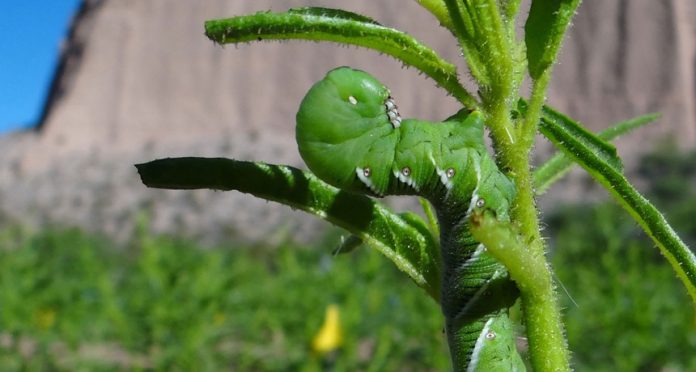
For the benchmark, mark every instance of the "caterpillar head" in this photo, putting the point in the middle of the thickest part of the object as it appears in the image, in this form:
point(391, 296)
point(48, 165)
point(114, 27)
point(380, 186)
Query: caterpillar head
point(346, 131)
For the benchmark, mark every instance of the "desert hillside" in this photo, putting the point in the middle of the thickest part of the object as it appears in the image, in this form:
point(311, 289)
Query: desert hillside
point(139, 80)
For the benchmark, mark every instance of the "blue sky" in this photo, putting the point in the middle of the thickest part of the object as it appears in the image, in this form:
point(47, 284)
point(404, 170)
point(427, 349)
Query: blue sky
point(30, 36)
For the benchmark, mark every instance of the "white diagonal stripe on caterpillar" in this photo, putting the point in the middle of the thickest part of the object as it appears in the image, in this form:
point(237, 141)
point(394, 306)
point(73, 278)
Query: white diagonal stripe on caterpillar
point(478, 347)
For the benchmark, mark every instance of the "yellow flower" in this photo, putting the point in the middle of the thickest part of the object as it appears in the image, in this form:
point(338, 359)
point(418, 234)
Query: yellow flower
point(329, 337)
point(219, 318)
point(45, 318)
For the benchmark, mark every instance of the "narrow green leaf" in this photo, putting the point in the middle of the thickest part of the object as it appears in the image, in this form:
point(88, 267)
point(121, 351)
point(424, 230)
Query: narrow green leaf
point(559, 164)
point(323, 24)
point(561, 131)
point(438, 9)
point(333, 13)
point(627, 126)
point(544, 30)
point(601, 148)
point(353, 241)
point(412, 251)
point(431, 216)
point(417, 223)
point(473, 36)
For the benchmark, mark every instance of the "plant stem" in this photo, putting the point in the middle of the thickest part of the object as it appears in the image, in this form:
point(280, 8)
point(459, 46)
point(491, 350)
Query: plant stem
point(548, 350)
point(525, 211)
point(528, 129)
point(529, 270)
point(499, 84)
point(547, 346)
point(502, 131)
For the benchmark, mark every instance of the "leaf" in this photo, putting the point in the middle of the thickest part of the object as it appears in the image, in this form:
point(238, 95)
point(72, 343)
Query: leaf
point(544, 30)
point(627, 126)
point(430, 214)
point(344, 27)
point(406, 246)
point(353, 241)
point(559, 164)
point(438, 9)
point(480, 34)
point(333, 13)
point(562, 131)
point(552, 121)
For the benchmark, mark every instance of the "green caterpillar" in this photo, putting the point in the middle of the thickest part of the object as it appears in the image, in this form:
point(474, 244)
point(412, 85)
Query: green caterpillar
point(350, 134)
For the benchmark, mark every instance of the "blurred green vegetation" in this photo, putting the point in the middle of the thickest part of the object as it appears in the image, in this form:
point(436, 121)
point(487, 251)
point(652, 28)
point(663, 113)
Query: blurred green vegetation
point(71, 300)
point(631, 313)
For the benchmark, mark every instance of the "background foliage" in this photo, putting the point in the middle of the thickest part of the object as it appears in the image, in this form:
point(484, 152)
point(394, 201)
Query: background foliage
point(631, 313)
point(73, 300)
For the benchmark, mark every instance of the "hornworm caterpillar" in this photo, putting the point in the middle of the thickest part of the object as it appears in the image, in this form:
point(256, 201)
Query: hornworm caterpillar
point(350, 135)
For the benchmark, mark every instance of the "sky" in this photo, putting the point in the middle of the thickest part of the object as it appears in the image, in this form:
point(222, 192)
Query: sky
point(31, 33)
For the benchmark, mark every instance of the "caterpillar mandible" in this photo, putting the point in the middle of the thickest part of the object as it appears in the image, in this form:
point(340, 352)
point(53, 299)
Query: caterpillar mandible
point(350, 134)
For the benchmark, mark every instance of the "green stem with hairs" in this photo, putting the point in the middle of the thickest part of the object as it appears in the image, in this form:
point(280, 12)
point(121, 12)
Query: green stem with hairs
point(530, 271)
point(518, 155)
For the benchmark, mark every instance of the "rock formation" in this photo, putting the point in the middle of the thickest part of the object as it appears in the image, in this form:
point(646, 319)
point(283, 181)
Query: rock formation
point(139, 81)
